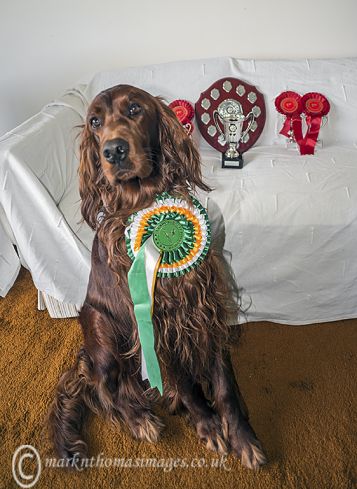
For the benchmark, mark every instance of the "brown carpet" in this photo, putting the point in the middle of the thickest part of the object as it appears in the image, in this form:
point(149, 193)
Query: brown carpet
point(299, 383)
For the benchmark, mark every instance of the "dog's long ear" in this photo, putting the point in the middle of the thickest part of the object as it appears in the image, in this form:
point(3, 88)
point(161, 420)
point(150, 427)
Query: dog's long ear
point(89, 177)
point(181, 161)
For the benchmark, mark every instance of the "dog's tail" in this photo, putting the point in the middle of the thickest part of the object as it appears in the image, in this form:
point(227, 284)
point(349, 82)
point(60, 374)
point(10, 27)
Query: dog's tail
point(69, 409)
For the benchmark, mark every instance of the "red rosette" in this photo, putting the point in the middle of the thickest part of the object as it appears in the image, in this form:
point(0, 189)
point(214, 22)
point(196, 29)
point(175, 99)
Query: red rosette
point(289, 104)
point(315, 104)
point(183, 109)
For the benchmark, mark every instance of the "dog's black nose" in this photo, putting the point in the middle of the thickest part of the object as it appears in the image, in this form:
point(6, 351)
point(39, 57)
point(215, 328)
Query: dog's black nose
point(116, 150)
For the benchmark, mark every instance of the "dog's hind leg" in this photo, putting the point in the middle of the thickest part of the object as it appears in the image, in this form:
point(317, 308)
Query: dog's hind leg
point(68, 410)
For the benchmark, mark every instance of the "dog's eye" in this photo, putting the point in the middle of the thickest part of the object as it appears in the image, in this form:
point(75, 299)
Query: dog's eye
point(95, 122)
point(134, 109)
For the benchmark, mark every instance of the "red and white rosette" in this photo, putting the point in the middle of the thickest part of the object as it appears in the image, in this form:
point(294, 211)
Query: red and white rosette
point(184, 112)
point(290, 105)
point(316, 106)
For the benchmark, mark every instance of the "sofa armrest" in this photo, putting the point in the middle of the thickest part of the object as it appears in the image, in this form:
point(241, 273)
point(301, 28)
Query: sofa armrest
point(47, 143)
point(38, 162)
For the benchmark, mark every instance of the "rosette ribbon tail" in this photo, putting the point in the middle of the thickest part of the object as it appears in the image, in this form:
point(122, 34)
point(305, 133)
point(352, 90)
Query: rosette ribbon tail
point(292, 124)
point(307, 146)
point(141, 281)
point(297, 128)
point(286, 127)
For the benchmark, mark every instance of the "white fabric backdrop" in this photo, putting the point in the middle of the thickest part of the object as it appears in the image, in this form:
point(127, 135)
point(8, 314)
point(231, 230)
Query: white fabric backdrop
point(289, 221)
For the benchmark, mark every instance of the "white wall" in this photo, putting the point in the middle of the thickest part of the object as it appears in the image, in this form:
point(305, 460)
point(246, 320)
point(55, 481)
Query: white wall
point(47, 45)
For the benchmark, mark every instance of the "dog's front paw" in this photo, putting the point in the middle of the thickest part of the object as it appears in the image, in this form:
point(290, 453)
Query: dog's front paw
point(246, 446)
point(74, 457)
point(210, 432)
point(147, 427)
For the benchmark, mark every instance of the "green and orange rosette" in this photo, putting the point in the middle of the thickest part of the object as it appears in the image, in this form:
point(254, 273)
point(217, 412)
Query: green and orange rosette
point(167, 240)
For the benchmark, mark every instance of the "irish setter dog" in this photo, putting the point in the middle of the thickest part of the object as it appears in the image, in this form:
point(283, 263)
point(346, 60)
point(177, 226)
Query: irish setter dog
point(133, 148)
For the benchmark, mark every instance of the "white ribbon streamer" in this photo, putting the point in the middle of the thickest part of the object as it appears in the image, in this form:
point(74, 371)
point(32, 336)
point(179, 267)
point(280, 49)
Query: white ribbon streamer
point(152, 260)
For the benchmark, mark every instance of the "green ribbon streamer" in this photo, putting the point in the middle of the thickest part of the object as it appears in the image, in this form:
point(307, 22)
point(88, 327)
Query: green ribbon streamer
point(142, 310)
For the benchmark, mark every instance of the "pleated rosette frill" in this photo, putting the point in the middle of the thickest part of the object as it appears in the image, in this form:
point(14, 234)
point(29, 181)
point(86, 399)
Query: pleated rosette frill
point(188, 220)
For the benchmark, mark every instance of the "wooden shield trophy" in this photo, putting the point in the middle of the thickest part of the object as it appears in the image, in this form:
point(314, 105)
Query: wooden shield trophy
point(231, 115)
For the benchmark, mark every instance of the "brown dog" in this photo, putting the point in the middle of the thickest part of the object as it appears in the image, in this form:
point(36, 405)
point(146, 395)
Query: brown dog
point(132, 149)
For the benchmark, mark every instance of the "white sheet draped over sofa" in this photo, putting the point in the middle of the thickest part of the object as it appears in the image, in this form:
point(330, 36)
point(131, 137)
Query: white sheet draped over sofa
point(289, 221)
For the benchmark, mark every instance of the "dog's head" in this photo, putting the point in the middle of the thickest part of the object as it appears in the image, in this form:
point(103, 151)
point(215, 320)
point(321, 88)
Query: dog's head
point(133, 140)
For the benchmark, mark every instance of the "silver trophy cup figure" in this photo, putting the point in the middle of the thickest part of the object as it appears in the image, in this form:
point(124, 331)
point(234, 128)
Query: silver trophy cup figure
point(230, 114)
